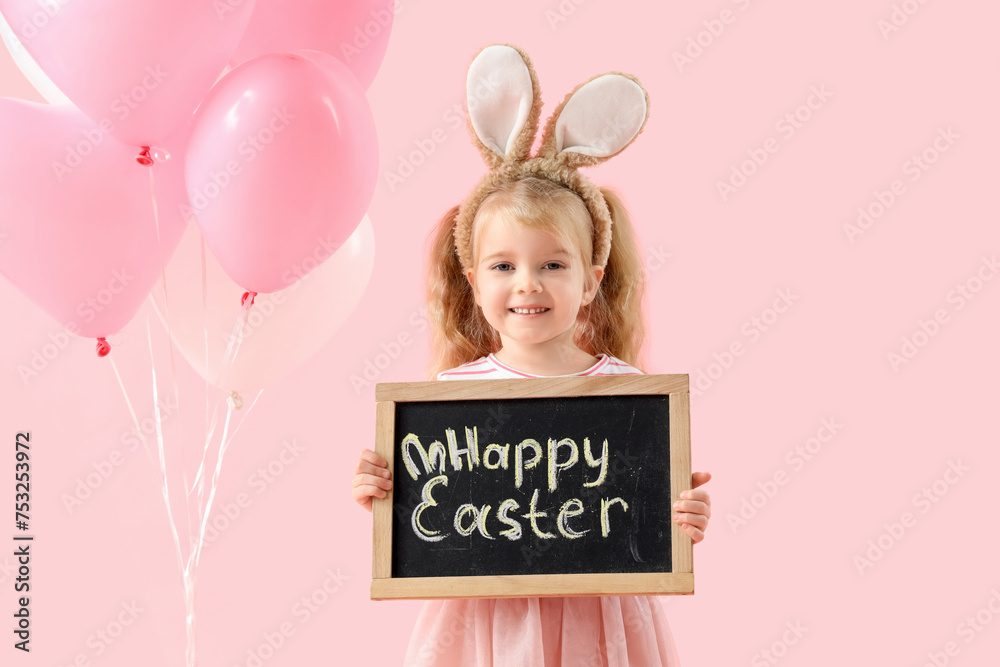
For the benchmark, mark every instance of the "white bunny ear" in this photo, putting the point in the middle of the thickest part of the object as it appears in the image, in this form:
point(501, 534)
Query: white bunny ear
point(504, 102)
point(597, 120)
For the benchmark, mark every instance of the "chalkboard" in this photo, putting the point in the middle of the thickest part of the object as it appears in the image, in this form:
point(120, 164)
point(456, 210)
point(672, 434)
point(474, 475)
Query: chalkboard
point(533, 487)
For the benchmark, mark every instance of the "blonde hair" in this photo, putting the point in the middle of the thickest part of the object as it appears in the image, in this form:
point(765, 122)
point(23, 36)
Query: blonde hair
point(611, 324)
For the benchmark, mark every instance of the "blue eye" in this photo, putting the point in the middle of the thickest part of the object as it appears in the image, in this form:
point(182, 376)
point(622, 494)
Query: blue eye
point(498, 267)
point(553, 265)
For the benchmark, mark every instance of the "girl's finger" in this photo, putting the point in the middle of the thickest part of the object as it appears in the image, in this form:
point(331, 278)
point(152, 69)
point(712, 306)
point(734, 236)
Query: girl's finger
point(696, 535)
point(697, 494)
point(362, 479)
point(372, 469)
point(374, 457)
point(693, 507)
point(699, 478)
point(697, 520)
point(367, 491)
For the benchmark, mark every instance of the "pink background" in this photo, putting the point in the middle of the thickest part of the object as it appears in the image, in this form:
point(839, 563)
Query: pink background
point(825, 358)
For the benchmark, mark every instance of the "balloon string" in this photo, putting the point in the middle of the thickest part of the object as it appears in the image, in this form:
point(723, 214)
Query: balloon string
point(163, 278)
point(194, 556)
point(204, 311)
point(170, 340)
point(190, 579)
point(199, 482)
point(159, 445)
point(145, 445)
point(187, 575)
point(164, 487)
point(236, 337)
point(224, 445)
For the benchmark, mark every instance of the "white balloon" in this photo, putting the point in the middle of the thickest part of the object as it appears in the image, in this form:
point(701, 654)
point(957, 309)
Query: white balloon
point(283, 328)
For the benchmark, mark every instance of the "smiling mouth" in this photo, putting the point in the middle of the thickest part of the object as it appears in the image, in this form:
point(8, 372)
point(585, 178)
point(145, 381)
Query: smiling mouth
point(528, 311)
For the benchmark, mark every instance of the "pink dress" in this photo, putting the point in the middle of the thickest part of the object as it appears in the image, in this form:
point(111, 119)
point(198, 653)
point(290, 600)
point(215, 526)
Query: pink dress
point(626, 631)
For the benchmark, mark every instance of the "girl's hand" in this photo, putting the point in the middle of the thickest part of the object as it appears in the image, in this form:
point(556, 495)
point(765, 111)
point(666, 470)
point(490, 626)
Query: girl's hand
point(695, 507)
point(372, 479)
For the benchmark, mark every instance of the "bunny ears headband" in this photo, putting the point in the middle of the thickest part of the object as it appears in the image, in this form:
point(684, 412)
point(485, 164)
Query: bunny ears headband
point(593, 123)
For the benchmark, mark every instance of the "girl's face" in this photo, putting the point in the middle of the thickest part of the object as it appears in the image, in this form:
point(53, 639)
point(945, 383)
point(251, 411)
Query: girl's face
point(529, 285)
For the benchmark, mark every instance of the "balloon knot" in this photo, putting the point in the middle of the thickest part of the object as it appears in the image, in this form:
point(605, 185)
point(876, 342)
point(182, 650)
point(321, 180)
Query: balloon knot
point(235, 400)
point(243, 301)
point(160, 154)
point(102, 347)
point(145, 158)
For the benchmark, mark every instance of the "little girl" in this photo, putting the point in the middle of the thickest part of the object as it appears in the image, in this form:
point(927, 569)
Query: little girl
point(537, 274)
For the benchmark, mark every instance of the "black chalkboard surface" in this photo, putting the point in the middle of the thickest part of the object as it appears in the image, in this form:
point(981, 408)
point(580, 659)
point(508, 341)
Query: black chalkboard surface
point(547, 486)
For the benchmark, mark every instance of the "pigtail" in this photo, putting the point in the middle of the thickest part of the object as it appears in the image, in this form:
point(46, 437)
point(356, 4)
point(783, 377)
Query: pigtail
point(613, 323)
point(459, 332)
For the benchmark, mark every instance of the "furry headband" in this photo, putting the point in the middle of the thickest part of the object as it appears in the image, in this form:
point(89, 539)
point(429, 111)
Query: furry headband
point(592, 124)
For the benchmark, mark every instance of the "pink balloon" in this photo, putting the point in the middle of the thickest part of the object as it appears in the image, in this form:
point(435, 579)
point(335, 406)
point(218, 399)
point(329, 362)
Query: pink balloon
point(355, 31)
point(78, 232)
point(136, 68)
point(281, 166)
point(283, 329)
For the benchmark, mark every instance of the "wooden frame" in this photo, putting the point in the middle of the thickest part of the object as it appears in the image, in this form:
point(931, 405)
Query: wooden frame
point(678, 582)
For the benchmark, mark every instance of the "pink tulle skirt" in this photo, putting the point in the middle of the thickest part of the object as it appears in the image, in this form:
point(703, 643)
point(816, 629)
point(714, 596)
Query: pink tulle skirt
point(627, 631)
